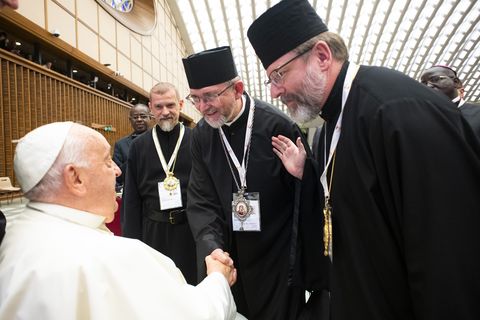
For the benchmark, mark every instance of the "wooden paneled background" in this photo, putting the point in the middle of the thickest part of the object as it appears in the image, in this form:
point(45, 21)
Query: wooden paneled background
point(32, 95)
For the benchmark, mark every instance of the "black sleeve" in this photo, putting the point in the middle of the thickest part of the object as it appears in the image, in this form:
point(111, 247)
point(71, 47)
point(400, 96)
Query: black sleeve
point(203, 209)
point(471, 113)
point(434, 209)
point(312, 264)
point(121, 163)
point(132, 208)
point(310, 267)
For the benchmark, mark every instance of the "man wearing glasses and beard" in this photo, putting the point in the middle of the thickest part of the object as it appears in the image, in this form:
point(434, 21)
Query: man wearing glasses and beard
point(240, 198)
point(397, 181)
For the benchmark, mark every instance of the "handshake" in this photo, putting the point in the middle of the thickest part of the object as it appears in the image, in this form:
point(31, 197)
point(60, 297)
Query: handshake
point(220, 261)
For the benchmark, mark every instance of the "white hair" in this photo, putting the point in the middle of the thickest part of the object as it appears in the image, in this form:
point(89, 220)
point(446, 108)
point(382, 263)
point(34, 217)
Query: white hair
point(73, 152)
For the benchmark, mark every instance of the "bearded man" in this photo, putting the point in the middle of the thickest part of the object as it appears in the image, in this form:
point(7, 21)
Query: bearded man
point(397, 181)
point(155, 195)
point(240, 198)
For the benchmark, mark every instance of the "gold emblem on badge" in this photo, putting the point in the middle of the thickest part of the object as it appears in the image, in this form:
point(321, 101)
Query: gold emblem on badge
point(170, 183)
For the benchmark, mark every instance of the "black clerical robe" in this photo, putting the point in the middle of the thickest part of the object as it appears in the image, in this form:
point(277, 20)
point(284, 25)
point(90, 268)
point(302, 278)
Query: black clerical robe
point(143, 218)
point(406, 202)
point(471, 113)
point(120, 155)
point(263, 259)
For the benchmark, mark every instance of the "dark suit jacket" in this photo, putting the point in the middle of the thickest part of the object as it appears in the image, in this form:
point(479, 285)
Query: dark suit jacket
point(120, 156)
point(471, 113)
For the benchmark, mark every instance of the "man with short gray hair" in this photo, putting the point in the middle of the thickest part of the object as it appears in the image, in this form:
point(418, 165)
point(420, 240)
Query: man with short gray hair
point(158, 171)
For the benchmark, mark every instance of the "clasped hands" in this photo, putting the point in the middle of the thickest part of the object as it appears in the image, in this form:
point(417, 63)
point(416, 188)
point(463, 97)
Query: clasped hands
point(220, 261)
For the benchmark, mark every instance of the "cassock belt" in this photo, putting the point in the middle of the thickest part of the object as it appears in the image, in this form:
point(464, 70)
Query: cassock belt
point(177, 216)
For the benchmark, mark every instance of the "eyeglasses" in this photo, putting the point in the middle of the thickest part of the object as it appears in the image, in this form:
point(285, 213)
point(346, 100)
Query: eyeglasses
point(435, 79)
point(276, 76)
point(139, 116)
point(207, 98)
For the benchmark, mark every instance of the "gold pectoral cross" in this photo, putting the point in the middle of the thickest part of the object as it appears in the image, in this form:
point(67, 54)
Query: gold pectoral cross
point(327, 228)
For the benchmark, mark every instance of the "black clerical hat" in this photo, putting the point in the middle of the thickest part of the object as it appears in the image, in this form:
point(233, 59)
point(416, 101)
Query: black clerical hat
point(209, 67)
point(282, 28)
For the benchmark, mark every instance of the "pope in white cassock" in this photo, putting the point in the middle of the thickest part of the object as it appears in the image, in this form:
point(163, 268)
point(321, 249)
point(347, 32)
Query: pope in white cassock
point(59, 261)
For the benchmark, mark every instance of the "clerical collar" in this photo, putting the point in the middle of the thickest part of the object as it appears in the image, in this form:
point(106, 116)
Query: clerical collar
point(174, 131)
point(458, 101)
point(333, 105)
point(84, 218)
point(244, 101)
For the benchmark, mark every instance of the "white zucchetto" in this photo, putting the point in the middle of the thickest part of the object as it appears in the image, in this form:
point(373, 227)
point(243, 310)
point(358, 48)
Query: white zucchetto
point(37, 151)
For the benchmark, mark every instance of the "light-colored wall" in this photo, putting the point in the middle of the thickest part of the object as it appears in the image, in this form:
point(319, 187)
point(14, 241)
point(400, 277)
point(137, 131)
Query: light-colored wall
point(144, 60)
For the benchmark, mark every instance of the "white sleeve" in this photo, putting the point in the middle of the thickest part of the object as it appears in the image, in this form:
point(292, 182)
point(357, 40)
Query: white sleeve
point(217, 291)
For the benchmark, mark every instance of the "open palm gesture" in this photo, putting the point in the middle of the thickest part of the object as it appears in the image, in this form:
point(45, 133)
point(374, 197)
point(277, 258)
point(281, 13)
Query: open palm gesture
point(292, 156)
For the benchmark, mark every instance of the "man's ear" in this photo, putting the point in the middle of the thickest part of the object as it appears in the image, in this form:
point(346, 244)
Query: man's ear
point(74, 180)
point(180, 103)
point(322, 53)
point(239, 87)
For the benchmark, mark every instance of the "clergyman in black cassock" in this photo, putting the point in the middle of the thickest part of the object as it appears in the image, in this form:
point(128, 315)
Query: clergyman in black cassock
point(403, 181)
point(139, 117)
point(471, 113)
point(264, 258)
point(444, 80)
point(166, 230)
point(399, 216)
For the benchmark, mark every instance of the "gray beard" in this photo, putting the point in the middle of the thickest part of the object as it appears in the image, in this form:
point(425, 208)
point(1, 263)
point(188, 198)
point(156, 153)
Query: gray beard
point(303, 114)
point(167, 125)
point(309, 102)
point(216, 124)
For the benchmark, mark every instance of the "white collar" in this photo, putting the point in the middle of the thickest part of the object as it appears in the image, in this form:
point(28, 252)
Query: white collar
point(244, 101)
point(84, 218)
point(459, 100)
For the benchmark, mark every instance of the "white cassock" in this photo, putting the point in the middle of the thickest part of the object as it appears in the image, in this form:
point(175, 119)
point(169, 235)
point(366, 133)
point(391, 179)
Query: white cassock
point(61, 263)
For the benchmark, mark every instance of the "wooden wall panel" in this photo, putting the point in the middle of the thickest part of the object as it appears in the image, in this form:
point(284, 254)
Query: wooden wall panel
point(3, 90)
point(32, 96)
